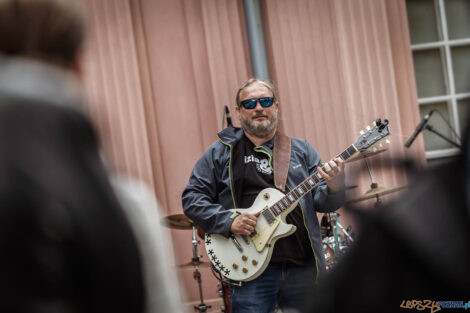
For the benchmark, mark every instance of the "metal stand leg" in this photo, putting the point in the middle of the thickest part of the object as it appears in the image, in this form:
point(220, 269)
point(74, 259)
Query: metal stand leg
point(197, 275)
point(373, 184)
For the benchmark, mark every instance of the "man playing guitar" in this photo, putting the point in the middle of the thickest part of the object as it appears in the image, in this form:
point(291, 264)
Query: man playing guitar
point(231, 174)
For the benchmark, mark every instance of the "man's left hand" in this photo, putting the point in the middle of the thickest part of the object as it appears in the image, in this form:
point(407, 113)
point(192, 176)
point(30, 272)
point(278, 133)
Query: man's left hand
point(333, 173)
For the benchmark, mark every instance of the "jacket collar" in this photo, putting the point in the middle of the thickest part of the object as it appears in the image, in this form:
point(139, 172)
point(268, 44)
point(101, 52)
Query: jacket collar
point(231, 135)
point(31, 79)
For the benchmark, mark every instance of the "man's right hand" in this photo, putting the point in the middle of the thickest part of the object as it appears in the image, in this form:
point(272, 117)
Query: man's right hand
point(244, 224)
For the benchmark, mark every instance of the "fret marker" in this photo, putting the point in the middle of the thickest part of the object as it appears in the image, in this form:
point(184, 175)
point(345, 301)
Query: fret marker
point(318, 175)
point(291, 198)
point(301, 191)
point(310, 181)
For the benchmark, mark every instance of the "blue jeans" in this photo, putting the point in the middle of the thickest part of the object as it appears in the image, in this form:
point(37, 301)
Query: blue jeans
point(289, 286)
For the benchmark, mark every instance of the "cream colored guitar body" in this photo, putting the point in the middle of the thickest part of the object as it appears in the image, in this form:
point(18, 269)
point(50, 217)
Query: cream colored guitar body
point(243, 258)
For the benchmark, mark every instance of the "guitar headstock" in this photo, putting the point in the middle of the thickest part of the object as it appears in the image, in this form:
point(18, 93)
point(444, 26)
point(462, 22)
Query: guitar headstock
point(372, 135)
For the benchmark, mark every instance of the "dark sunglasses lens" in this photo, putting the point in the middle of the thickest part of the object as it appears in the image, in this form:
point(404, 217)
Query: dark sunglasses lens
point(249, 104)
point(266, 102)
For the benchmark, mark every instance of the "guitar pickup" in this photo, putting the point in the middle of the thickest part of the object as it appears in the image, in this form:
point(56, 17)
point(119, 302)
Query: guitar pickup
point(237, 244)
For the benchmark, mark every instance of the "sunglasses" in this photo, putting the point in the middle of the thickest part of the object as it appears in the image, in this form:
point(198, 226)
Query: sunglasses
point(250, 104)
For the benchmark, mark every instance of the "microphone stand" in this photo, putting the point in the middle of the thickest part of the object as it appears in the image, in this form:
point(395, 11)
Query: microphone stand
point(431, 129)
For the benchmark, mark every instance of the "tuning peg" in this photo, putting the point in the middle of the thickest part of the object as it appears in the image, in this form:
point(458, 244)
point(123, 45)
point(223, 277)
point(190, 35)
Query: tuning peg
point(380, 145)
point(374, 149)
point(368, 127)
point(387, 141)
point(374, 124)
point(361, 132)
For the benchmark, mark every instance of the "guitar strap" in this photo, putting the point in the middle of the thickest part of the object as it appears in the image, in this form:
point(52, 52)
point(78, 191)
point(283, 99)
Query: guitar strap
point(281, 160)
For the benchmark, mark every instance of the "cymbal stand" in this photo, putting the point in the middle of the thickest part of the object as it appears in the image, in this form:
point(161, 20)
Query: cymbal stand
point(197, 275)
point(373, 184)
point(334, 217)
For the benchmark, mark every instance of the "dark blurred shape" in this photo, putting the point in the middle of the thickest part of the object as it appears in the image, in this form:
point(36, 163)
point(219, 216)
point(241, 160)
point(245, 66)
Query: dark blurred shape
point(48, 30)
point(66, 245)
point(415, 248)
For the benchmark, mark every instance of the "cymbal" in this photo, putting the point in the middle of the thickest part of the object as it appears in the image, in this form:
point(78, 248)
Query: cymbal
point(193, 264)
point(378, 191)
point(177, 221)
point(365, 154)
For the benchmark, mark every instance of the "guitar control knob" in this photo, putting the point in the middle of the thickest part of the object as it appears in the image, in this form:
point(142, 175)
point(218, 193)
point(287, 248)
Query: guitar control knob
point(245, 270)
point(244, 257)
point(254, 262)
point(235, 265)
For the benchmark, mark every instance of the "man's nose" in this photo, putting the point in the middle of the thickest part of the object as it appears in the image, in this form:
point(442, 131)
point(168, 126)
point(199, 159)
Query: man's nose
point(258, 106)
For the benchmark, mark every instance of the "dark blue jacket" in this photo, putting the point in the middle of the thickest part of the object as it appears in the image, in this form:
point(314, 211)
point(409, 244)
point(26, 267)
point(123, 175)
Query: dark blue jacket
point(213, 187)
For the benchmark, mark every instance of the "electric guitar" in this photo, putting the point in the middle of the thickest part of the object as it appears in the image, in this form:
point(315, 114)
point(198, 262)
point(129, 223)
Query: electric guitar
point(243, 258)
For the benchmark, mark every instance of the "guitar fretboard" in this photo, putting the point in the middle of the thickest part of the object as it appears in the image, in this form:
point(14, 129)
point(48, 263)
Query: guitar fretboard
point(302, 189)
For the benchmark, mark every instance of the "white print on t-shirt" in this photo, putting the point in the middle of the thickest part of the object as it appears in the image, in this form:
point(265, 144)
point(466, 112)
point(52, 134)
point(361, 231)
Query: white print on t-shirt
point(261, 165)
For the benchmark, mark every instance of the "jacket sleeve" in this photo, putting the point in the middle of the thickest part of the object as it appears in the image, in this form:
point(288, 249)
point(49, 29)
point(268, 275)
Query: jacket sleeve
point(201, 193)
point(323, 200)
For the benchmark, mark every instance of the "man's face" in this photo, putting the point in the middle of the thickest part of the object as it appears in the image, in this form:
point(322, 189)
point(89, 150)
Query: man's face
point(259, 122)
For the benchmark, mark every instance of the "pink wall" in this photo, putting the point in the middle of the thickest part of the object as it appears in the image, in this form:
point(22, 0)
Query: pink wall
point(158, 74)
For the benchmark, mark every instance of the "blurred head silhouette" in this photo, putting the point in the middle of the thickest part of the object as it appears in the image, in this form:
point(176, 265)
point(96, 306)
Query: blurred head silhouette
point(47, 30)
point(66, 243)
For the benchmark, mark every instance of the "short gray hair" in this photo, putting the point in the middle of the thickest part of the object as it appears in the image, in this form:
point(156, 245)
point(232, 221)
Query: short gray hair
point(253, 80)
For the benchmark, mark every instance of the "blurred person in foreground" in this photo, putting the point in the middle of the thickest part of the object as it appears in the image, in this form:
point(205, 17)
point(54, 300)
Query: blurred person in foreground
point(67, 244)
point(411, 254)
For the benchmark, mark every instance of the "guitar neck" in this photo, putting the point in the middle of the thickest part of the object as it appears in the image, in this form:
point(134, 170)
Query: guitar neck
point(303, 188)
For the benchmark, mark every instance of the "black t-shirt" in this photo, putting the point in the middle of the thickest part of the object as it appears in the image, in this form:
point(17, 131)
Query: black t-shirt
point(258, 174)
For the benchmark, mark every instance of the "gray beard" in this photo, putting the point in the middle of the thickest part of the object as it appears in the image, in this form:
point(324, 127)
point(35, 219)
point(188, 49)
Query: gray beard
point(260, 131)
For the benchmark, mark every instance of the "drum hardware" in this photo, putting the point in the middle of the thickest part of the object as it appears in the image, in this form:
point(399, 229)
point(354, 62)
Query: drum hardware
point(224, 293)
point(365, 154)
point(181, 221)
point(202, 307)
point(191, 265)
point(177, 221)
point(375, 191)
point(334, 244)
point(334, 217)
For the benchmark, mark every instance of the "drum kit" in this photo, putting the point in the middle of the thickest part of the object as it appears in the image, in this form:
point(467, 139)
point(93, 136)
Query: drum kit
point(181, 221)
point(335, 244)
